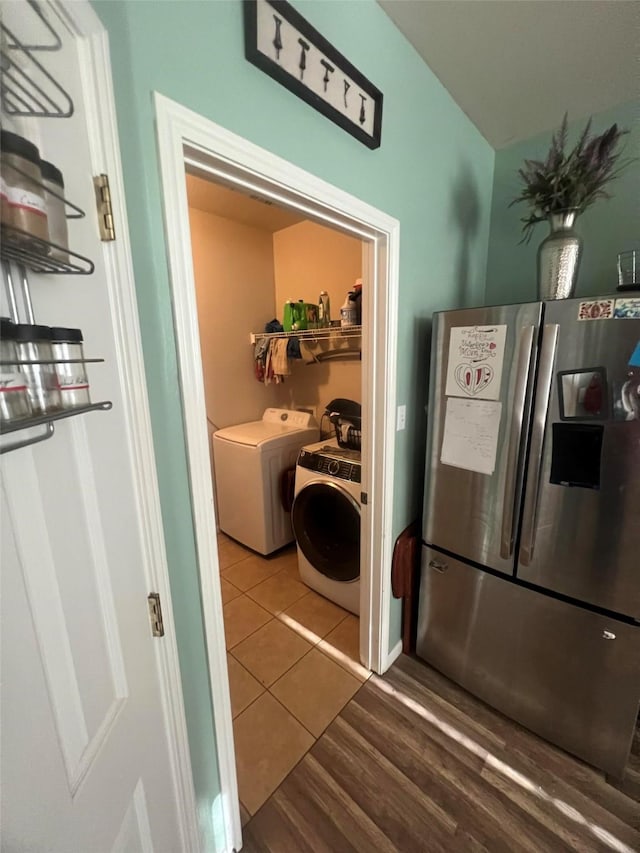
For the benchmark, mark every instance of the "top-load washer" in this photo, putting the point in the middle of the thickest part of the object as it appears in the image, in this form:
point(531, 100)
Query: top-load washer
point(249, 461)
point(326, 521)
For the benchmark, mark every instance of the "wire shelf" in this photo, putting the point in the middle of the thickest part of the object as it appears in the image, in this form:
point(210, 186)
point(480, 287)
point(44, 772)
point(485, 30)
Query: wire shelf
point(28, 89)
point(56, 41)
point(329, 333)
point(32, 252)
point(39, 420)
point(8, 427)
point(55, 361)
point(73, 211)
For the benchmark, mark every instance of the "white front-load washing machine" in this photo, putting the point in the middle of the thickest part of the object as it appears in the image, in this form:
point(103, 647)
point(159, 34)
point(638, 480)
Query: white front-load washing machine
point(249, 461)
point(326, 521)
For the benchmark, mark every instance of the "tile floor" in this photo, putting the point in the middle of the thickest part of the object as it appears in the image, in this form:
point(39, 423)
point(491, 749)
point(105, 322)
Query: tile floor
point(293, 665)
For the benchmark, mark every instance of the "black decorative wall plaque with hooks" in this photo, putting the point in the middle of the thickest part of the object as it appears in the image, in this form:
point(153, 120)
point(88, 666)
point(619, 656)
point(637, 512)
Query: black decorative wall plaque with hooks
point(280, 42)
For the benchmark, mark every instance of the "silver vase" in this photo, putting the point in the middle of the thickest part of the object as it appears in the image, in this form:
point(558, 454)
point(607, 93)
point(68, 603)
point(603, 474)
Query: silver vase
point(559, 257)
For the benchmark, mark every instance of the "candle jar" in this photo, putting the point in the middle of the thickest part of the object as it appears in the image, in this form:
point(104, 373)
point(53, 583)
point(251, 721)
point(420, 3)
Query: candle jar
point(22, 194)
point(14, 399)
point(33, 345)
point(66, 345)
point(53, 182)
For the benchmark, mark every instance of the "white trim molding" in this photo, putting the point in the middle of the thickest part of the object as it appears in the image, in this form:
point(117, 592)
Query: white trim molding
point(93, 52)
point(394, 654)
point(170, 141)
point(188, 139)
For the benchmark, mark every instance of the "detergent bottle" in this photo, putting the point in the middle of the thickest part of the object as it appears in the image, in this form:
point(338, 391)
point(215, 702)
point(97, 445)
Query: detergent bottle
point(288, 317)
point(357, 298)
point(349, 311)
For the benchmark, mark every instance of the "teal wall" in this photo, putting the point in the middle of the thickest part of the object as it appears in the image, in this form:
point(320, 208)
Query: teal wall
point(433, 172)
point(608, 227)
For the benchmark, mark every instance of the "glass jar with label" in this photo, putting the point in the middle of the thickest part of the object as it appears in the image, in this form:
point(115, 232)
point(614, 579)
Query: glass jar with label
point(14, 399)
point(53, 183)
point(22, 195)
point(66, 345)
point(33, 345)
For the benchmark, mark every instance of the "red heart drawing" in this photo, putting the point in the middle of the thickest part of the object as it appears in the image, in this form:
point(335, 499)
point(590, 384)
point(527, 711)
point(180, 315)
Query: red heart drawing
point(473, 379)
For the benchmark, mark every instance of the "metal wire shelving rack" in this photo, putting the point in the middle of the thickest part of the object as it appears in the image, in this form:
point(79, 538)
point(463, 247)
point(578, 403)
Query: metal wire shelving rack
point(328, 333)
point(29, 90)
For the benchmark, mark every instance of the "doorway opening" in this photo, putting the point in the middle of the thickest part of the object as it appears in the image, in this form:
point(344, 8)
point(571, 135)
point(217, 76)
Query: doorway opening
point(291, 603)
point(190, 145)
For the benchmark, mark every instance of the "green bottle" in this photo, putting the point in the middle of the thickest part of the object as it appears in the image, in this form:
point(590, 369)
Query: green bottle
point(300, 316)
point(289, 315)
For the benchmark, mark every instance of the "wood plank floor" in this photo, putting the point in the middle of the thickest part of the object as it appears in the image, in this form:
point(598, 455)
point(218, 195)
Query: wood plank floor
point(414, 763)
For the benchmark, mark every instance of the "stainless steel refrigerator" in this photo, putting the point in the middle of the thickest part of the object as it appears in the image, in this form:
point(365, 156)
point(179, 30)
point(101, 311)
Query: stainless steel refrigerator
point(530, 569)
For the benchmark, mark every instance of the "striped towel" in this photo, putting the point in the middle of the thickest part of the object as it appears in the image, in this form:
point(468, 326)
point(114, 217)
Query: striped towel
point(279, 360)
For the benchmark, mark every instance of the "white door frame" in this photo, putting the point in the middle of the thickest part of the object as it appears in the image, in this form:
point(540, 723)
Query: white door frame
point(241, 164)
point(99, 99)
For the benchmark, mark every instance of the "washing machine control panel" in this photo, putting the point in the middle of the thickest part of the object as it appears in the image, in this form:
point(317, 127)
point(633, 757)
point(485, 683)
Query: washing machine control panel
point(290, 417)
point(342, 469)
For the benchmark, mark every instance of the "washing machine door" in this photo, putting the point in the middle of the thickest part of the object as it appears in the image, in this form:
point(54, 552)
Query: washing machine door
point(326, 524)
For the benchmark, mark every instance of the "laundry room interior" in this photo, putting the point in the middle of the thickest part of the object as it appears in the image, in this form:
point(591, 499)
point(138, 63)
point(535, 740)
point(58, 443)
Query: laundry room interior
point(284, 423)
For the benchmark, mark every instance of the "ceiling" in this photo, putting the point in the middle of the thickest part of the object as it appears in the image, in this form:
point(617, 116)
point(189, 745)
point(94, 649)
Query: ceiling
point(232, 204)
point(516, 66)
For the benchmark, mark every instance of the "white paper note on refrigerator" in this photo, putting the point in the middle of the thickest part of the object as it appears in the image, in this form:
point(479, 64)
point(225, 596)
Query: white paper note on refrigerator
point(476, 356)
point(470, 437)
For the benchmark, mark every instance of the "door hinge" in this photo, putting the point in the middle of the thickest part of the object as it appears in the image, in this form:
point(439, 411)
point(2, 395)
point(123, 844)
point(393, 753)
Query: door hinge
point(103, 204)
point(155, 614)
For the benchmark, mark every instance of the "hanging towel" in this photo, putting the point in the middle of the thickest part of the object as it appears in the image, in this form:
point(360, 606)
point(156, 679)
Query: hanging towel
point(260, 358)
point(293, 348)
point(268, 365)
point(279, 360)
point(261, 348)
point(262, 354)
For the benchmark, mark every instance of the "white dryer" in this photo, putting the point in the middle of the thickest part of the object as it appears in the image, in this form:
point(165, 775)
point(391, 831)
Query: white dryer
point(326, 521)
point(249, 461)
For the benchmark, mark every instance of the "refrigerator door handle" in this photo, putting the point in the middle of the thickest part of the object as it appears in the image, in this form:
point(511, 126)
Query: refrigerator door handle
point(514, 453)
point(541, 407)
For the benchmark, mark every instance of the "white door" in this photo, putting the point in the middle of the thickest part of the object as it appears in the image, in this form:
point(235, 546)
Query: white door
point(88, 759)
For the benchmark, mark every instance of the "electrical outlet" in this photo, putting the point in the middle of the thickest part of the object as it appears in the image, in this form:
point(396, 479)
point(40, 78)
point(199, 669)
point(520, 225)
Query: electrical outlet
point(402, 418)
